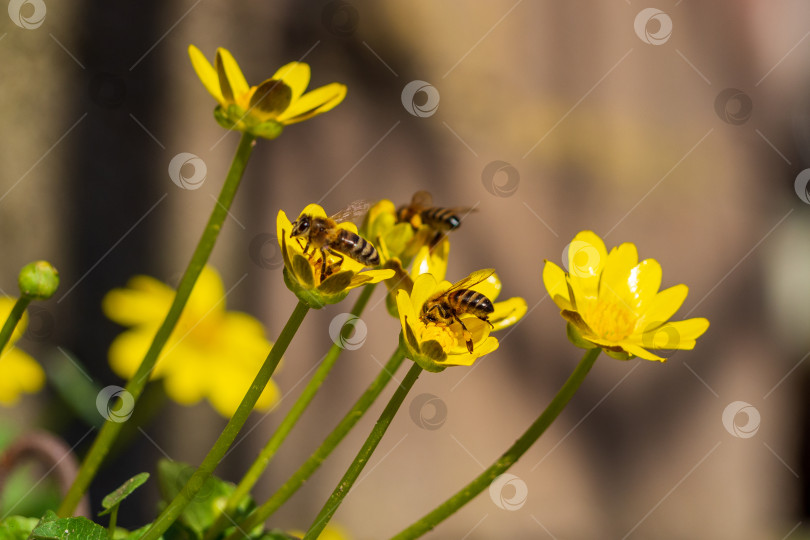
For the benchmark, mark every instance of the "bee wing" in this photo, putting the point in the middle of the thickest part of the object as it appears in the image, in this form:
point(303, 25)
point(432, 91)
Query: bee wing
point(355, 210)
point(422, 199)
point(472, 280)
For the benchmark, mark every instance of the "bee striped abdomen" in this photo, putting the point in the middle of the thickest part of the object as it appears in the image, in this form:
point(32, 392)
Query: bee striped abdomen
point(441, 218)
point(357, 248)
point(474, 302)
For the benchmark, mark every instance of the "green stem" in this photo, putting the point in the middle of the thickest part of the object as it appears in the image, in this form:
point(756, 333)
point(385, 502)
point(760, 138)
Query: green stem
point(298, 408)
point(468, 492)
point(363, 455)
point(306, 470)
point(113, 520)
point(13, 318)
point(228, 435)
point(136, 384)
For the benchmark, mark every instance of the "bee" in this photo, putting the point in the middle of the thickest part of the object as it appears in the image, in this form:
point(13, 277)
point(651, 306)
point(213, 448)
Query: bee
point(439, 220)
point(445, 307)
point(323, 235)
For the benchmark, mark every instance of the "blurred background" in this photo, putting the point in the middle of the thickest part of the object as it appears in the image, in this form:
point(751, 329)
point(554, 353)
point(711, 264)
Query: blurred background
point(681, 126)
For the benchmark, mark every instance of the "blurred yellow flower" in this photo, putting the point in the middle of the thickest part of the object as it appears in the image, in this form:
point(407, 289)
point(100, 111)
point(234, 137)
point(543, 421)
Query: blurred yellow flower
point(212, 353)
point(265, 109)
point(302, 272)
point(19, 373)
point(331, 532)
point(434, 346)
point(612, 301)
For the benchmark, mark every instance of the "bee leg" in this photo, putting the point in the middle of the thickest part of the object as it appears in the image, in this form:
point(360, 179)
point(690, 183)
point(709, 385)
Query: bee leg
point(467, 335)
point(486, 320)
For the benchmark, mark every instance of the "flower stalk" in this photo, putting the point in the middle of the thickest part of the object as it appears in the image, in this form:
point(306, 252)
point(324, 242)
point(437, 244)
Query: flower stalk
point(508, 458)
point(312, 464)
point(12, 320)
point(279, 436)
point(232, 429)
point(135, 386)
point(363, 455)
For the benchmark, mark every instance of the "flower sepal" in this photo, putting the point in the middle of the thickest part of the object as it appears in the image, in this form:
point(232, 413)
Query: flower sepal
point(234, 118)
point(429, 354)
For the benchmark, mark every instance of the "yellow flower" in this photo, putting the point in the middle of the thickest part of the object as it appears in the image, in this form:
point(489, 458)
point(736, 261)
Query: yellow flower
point(265, 109)
point(400, 241)
point(302, 272)
point(19, 373)
point(400, 246)
point(435, 346)
point(212, 353)
point(612, 301)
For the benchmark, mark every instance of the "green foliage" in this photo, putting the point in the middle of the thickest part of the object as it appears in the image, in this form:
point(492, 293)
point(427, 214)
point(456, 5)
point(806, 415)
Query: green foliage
point(74, 528)
point(17, 527)
point(115, 498)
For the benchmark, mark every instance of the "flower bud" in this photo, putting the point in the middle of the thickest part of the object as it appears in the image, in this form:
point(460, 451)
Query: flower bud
point(38, 280)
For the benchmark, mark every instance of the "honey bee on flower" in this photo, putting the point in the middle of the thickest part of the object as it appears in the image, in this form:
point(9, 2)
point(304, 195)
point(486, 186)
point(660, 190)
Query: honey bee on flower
point(325, 257)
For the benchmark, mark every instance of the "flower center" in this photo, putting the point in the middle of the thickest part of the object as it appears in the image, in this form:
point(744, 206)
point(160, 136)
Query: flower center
point(442, 334)
point(611, 320)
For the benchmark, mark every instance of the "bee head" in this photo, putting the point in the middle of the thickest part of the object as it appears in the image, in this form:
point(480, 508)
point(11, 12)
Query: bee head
point(434, 313)
point(301, 225)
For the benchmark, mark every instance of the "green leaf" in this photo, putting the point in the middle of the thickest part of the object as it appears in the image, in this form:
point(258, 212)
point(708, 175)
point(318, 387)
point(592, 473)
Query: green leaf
point(205, 506)
point(115, 498)
point(77, 528)
point(17, 527)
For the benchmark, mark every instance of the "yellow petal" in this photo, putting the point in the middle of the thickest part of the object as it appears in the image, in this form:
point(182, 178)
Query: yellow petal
point(557, 286)
point(236, 80)
point(269, 99)
point(405, 309)
point(188, 385)
point(424, 286)
point(144, 300)
point(314, 210)
point(641, 352)
point(206, 72)
point(19, 373)
point(586, 260)
point(296, 76)
point(672, 334)
point(507, 313)
point(207, 297)
point(128, 349)
point(662, 307)
point(617, 270)
point(375, 276)
point(318, 101)
point(427, 260)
